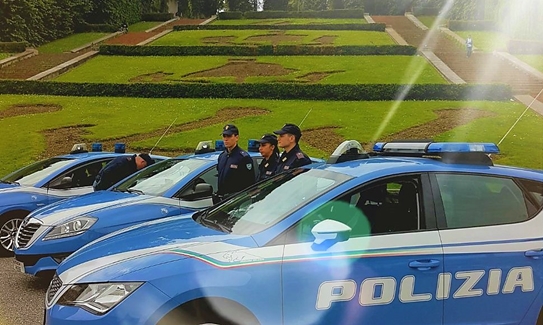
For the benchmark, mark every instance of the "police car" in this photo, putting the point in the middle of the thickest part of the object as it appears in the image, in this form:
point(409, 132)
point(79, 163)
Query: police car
point(178, 185)
point(413, 233)
point(46, 182)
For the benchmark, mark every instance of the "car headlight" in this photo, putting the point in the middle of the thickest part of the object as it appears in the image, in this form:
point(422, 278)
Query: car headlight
point(71, 228)
point(97, 298)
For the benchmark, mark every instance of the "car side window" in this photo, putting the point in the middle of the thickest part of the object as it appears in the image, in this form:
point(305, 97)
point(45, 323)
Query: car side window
point(210, 177)
point(81, 176)
point(388, 206)
point(473, 200)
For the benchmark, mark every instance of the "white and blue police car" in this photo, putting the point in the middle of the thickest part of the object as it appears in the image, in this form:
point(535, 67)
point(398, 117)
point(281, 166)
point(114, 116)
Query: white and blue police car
point(413, 233)
point(46, 182)
point(171, 187)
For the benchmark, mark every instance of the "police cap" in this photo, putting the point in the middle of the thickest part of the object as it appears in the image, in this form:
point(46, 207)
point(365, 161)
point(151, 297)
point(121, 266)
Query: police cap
point(147, 159)
point(230, 129)
point(290, 129)
point(268, 138)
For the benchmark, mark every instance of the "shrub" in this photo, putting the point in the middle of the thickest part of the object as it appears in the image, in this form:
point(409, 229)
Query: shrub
point(378, 27)
point(339, 13)
point(97, 28)
point(12, 47)
point(164, 16)
point(486, 25)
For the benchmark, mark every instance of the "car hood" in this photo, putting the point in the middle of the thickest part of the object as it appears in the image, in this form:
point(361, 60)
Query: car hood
point(150, 244)
point(60, 211)
point(20, 195)
point(7, 185)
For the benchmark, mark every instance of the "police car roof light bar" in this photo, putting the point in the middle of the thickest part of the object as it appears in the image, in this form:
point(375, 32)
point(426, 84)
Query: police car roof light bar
point(252, 145)
point(219, 145)
point(120, 147)
point(96, 147)
point(204, 147)
point(348, 150)
point(79, 148)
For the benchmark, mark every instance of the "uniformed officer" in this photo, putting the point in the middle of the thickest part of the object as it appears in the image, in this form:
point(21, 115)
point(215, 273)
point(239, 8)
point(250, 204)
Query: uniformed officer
point(269, 150)
point(120, 168)
point(292, 156)
point(235, 166)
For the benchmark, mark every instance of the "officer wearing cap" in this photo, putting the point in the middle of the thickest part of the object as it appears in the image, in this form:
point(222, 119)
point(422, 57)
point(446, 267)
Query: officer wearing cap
point(120, 168)
point(235, 166)
point(269, 150)
point(292, 156)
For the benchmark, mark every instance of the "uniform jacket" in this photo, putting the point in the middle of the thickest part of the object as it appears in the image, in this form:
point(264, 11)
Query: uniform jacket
point(235, 171)
point(267, 168)
point(294, 158)
point(116, 170)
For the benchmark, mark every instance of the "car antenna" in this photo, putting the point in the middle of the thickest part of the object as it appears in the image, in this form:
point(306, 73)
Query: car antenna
point(306, 115)
point(521, 115)
point(163, 134)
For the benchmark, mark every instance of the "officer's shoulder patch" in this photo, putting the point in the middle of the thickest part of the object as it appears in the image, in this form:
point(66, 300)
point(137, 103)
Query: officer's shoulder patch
point(249, 166)
point(244, 153)
point(300, 155)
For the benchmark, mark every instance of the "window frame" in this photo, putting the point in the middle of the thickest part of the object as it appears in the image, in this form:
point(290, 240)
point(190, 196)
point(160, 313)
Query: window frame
point(72, 170)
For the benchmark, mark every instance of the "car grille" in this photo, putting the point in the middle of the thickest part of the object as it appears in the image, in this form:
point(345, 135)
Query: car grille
point(54, 286)
point(27, 230)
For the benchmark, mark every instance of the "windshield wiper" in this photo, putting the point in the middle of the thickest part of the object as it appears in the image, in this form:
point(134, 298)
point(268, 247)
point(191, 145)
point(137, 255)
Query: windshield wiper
point(129, 190)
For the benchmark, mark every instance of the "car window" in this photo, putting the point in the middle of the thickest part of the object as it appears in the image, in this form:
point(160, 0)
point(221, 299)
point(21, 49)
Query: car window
point(473, 200)
point(210, 177)
point(30, 175)
point(260, 207)
point(535, 190)
point(81, 176)
point(389, 206)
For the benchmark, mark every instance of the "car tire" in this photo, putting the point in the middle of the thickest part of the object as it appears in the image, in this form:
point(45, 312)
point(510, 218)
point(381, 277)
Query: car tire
point(9, 223)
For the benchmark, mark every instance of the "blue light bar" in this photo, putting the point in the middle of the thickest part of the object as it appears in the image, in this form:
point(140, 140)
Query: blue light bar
point(219, 145)
point(96, 147)
point(458, 147)
point(252, 145)
point(120, 147)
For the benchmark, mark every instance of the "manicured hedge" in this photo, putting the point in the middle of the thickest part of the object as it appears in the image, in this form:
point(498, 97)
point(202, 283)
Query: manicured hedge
point(426, 11)
point(517, 46)
point(339, 13)
point(378, 27)
point(371, 92)
point(97, 28)
point(487, 25)
point(157, 16)
point(256, 50)
point(12, 47)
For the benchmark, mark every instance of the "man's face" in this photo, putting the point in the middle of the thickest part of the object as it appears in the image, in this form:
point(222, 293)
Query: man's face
point(230, 141)
point(285, 140)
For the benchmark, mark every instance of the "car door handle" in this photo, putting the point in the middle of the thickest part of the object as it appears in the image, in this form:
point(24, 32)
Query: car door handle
point(424, 265)
point(535, 253)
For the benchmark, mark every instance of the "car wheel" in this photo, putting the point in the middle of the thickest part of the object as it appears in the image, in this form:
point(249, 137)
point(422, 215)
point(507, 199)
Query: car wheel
point(8, 229)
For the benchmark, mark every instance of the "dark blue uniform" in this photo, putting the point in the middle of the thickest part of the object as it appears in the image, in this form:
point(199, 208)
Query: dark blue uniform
point(294, 158)
point(116, 170)
point(235, 171)
point(267, 168)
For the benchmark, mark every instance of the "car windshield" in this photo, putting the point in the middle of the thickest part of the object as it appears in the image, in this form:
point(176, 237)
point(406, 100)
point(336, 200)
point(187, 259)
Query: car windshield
point(160, 177)
point(30, 175)
point(266, 204)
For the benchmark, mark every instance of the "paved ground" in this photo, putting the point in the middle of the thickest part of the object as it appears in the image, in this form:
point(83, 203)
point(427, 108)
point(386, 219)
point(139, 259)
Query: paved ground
point(21, 296)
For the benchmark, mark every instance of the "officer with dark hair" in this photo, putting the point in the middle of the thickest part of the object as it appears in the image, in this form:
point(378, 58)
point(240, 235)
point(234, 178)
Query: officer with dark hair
point(120, 168)
point(270, 152)
point(292, 156)
point(235, 166)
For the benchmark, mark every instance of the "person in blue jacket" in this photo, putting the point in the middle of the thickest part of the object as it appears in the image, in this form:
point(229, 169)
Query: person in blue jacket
point(120, 168)
point(235, 166)
point(292, 156)
point(270, 152)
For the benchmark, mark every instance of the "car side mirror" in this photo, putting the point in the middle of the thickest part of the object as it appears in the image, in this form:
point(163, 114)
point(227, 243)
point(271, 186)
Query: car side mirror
point(66, 180)
point(200, 191)
point(330, 232)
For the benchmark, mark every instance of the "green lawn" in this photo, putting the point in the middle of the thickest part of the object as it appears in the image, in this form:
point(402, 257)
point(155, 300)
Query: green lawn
point(341, 69)
point(117, 117)
point(486, 41)
point(142, 26)
point(246, 37)
point(69, 43)
point(292, 21)
point(535, 61)
point(429, 21)
point(4, 55)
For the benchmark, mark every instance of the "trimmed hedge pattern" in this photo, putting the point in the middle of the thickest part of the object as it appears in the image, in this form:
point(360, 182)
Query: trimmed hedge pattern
point(371, 92)
point(339, 13)
point(256, 50)
point(97, 28)
point(378, 27)
point(12, 47)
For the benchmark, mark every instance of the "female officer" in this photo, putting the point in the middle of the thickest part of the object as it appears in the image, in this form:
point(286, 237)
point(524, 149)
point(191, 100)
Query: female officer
point(269, 150)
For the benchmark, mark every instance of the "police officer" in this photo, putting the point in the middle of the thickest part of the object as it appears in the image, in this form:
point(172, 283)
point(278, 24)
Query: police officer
point(269, 150)
point(235, 166)
point(120, 168)
point(292, 156)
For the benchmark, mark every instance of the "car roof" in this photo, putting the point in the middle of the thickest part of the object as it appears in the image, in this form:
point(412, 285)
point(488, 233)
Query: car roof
point(211, 155)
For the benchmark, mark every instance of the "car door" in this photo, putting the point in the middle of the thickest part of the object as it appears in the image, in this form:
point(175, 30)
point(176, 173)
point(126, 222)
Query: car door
point(76, 181)
point(492, 244)
point(385, 271)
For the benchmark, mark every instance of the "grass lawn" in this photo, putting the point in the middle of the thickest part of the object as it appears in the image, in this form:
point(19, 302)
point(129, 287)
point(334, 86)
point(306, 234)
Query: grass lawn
point(354, 120)
point(338, 69)
point(4, 55)
point(69, 43)
point(486, 41)
point(535, 61)
point(142, 26)
point(429, 21)
point(293, 21)
point(248, 37)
